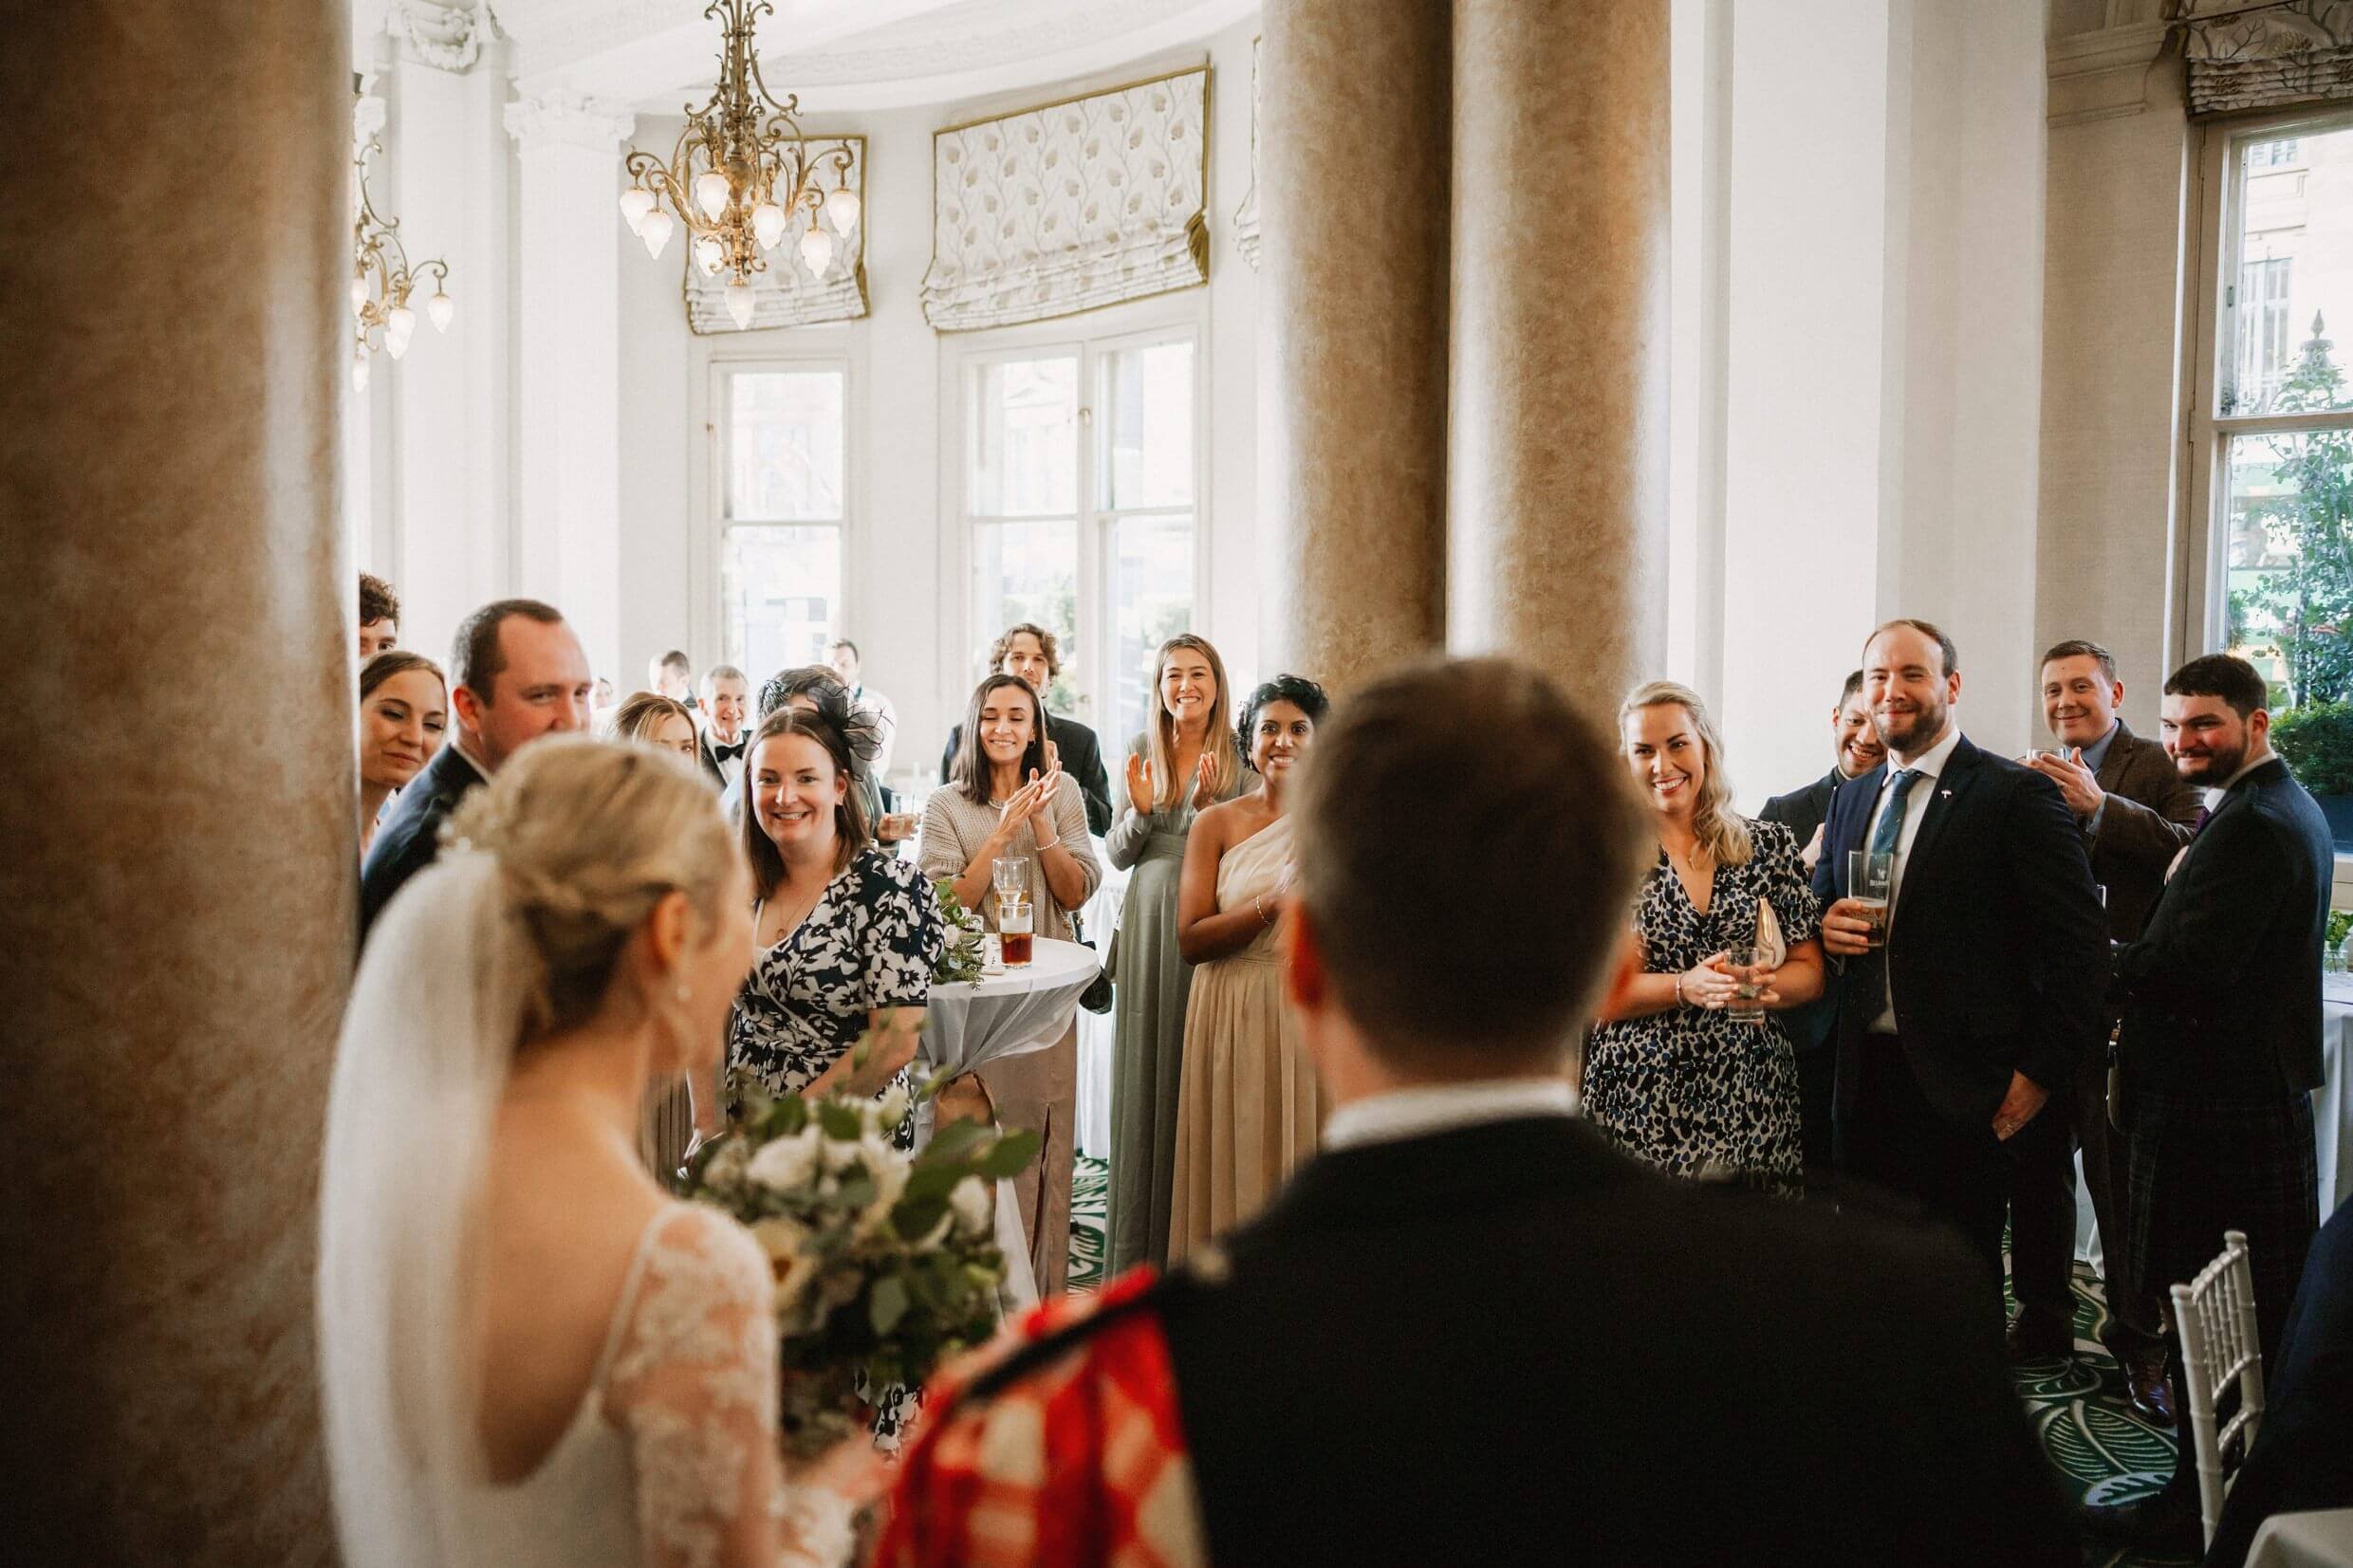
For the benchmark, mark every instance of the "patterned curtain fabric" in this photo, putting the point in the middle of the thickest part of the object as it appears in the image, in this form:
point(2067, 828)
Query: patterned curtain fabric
point(1070, 206)
point(2298, 52)
point(1246, 215)
point(786, 295)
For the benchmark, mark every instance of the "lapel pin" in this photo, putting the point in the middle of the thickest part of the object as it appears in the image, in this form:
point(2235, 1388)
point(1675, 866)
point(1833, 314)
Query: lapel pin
point(1946, 793)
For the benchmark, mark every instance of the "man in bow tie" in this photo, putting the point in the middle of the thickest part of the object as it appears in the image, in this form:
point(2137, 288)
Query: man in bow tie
point(720, 740)
point(1986, 993)
point(2220, 1042)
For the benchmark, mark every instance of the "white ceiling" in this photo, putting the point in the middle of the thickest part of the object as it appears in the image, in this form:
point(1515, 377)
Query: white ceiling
point(651, 56)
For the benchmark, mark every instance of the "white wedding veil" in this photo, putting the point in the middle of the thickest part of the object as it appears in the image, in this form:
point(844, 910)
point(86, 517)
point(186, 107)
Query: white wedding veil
point(426, 1046)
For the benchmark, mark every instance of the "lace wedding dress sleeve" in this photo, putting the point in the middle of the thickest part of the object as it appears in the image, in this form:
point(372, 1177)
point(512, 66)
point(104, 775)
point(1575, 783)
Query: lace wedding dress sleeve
point(692, 1389)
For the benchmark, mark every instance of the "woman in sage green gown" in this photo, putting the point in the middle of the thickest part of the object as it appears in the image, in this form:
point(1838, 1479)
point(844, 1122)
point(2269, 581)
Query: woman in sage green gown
point(1184, 763)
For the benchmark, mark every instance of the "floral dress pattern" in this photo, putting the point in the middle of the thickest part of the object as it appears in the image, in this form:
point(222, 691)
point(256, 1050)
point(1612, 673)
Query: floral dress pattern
point(1696, 1091)
point(873, 940)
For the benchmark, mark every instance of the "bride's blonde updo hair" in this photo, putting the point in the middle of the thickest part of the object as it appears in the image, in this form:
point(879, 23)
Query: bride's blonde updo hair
point(589, 836)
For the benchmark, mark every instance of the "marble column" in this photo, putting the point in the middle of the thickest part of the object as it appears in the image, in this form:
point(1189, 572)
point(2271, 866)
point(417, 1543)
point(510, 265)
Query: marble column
point(568, 390)
point(175, 659)
point(1352, 318)
point(1558, 468)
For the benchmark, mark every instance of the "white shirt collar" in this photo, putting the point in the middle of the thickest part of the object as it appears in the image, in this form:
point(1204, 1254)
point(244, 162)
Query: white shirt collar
point(2214, 796)
point(1931, 765)
point(1442, 1107)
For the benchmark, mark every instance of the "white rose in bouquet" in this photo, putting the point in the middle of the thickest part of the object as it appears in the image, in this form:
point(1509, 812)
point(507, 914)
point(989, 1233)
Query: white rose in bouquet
point(785, 1242)
point(891, 1110)
point(890, 1170)
point(787, 1164)
point(971, 1204)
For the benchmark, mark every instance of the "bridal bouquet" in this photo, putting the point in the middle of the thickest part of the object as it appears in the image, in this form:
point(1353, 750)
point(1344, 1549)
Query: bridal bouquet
point(967, 940)
point(887, 1263)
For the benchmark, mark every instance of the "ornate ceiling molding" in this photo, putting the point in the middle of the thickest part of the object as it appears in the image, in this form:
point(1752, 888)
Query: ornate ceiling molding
point(2297, 51)
point(445, 34)
point(564, 120)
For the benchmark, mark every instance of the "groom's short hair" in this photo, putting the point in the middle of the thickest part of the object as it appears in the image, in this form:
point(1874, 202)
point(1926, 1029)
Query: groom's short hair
point(1469, 849)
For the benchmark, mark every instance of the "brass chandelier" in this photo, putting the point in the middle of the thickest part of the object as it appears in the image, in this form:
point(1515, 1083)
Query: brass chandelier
point(382, 281)
point(739, 172)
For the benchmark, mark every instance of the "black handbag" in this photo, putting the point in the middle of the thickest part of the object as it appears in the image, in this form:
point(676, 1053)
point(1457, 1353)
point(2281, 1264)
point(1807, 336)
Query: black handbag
point(1097, 997)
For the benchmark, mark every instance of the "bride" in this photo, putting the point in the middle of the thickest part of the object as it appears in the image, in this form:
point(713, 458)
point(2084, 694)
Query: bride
point(532, 1355)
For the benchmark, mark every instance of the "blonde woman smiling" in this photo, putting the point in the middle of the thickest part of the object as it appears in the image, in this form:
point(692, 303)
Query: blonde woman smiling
point(1672, 1074)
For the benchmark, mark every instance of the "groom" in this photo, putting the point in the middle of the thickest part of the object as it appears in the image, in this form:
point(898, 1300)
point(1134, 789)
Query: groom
point(1470, 1331)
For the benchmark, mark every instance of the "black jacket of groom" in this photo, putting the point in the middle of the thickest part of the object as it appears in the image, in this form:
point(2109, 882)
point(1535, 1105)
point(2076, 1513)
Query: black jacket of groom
point(1802, 810)
point(1998, 951)
point(411, 836)
point(1510, 1343)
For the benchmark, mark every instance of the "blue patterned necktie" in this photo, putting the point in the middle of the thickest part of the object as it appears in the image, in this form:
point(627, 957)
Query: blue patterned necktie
point(1890, 829)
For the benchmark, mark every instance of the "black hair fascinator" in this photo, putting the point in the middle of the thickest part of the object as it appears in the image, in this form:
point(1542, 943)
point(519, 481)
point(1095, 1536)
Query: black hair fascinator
point(862, 733)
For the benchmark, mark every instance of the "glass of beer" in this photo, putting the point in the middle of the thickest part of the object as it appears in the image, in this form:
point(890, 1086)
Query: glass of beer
point(1748, 976)
point(1871, 883)
point(1014, 930)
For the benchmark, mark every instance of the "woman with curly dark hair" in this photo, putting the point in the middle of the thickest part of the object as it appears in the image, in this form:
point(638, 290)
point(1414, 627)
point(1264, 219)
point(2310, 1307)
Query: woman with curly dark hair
point(1247, 1111)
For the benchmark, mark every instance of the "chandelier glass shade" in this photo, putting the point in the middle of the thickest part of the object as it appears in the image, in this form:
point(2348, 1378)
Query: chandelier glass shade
point(740, 176)
point(382, 282)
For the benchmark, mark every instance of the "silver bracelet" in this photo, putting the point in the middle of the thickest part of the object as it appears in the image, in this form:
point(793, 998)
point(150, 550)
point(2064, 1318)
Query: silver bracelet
point(1678, 993)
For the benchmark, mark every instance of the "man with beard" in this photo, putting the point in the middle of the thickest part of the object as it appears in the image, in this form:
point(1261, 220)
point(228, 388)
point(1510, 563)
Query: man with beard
point(1987, 992)
point(1855, 750)
point(2220, 1043)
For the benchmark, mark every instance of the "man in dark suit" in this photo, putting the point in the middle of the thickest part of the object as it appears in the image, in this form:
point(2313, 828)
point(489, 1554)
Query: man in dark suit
point(518, 673)
point(1855, 750)
point(2220, 1043)
point(2136, 813)
point(1470, 1331)
point(1988, 991)
point(1029, 650)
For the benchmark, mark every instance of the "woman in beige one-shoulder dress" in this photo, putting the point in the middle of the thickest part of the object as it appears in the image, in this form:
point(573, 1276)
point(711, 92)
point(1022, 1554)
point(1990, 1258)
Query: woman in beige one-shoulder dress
point(1249, 1111)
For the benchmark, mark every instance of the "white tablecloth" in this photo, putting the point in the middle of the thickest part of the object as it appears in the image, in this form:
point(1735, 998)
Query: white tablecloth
point(2332, 1117)
point(1001, 1015)
point(2323, 1540)
point(1007, 1014)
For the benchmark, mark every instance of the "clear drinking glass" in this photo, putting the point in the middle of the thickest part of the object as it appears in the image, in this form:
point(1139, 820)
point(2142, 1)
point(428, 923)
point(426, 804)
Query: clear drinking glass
point(1013, 932)
point(1871, 882)
point(1748, 1003)
point(1010, 874)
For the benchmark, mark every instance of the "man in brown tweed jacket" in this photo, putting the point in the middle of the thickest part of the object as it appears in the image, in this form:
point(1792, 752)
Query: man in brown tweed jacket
point(2137, 813)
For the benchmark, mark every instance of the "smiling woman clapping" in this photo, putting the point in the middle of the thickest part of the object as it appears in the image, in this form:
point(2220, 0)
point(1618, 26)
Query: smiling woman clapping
point(1008, 799)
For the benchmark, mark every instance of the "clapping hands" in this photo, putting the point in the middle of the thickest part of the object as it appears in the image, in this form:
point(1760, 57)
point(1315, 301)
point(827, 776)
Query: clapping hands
point(1030, 799)
point(1141, 794)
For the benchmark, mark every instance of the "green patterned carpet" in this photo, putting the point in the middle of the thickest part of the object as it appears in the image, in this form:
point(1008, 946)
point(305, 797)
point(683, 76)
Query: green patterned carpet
point(2102, 1452)
point(1090, 1195)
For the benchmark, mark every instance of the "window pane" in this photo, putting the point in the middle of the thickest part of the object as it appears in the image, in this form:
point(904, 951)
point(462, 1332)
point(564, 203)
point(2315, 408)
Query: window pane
point(780, 587)
point(1025, 447)
point(1150, 601)
point(1148, 427)
point(2289, 577)
point(784, 446)
point(2294, 282)
point(1026, 571)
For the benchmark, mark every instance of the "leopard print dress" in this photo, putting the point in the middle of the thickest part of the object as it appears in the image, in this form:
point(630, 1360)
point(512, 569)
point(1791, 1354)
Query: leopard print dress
point(1700, 1093)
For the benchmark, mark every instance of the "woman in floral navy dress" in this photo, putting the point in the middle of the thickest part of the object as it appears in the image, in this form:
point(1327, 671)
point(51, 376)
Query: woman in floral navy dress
point(1672, 1076)
point(847, 935)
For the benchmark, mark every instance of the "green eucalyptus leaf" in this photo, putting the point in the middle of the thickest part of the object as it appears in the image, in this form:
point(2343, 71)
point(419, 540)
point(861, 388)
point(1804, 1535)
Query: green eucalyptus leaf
point(954, 1141)
point(840, 1120)
point(1011, 1155)
point(887, 1305)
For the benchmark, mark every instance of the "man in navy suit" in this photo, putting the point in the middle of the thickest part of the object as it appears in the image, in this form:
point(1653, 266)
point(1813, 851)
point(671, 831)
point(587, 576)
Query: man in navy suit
point(1855, 750)
point(1988, 991)
point(2219, 1047)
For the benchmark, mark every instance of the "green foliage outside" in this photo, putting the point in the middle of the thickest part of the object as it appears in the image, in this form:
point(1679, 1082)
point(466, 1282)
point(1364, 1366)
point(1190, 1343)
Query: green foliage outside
point(2305, 610)
point(2317, 741)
